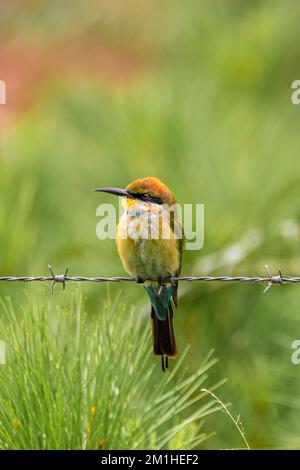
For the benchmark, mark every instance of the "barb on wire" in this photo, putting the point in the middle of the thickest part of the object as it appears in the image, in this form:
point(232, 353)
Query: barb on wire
point(60, 278)
point(270, 280)
point(273, 279)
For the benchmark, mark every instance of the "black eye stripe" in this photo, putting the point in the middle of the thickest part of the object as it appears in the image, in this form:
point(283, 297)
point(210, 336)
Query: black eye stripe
point(146, 197)
point(157, 200)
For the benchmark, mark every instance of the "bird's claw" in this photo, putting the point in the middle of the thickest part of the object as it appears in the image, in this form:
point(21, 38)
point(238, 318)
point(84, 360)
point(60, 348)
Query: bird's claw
point(164, 280)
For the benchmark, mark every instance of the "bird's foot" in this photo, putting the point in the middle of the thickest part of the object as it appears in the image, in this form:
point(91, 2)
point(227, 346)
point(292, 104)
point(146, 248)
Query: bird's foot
point(139, 280)
point(164, 280)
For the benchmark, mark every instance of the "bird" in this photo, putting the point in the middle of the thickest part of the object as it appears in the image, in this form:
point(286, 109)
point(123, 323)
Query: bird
point(150, 243)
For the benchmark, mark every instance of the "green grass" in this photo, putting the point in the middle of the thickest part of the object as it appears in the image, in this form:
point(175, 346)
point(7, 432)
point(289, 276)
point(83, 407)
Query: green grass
point(76, 382)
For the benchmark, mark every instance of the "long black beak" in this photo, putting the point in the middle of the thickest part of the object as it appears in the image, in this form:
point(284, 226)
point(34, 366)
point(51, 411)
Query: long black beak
point(117, 191)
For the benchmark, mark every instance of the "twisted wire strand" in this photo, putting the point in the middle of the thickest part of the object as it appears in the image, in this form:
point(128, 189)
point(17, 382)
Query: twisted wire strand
point(67, 279)
point(283, 280)
point(63, 278)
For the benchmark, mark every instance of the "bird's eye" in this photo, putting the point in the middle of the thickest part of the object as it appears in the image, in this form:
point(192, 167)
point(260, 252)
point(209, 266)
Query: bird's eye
point(145, 197)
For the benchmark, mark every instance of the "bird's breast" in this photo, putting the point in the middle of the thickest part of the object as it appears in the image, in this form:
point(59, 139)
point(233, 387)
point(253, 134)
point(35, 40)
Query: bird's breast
point(140, 225)
point(146, 244)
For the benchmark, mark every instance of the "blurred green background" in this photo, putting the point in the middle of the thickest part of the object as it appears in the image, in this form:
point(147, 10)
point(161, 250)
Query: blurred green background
point(196, 93)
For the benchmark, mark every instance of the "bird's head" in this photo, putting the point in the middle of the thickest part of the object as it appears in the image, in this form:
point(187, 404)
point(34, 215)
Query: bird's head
point(149, 190)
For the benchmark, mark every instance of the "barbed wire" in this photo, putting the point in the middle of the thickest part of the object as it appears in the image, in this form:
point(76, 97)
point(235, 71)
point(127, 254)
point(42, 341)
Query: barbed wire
point(270, 280)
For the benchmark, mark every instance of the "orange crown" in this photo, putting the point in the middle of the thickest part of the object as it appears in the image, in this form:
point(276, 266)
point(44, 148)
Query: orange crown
point(154, 187)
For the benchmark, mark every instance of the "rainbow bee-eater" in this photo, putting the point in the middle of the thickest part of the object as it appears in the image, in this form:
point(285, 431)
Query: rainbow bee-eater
point(149, 242)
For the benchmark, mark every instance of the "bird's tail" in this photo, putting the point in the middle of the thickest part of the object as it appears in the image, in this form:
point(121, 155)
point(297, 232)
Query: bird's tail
point(164, 342)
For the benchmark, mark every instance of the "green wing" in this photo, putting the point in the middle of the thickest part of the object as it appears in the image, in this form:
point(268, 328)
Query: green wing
point(178, 228)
